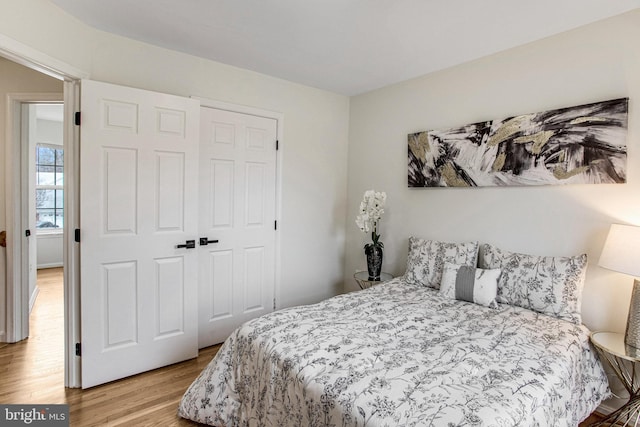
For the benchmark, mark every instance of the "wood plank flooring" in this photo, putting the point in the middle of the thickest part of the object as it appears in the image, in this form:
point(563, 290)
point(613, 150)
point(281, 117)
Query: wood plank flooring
point(32, 371)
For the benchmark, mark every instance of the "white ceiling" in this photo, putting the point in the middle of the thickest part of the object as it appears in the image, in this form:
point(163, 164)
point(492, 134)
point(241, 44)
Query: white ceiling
point(344, 46)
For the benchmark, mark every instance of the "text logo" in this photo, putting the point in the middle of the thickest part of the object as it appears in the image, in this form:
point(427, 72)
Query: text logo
point(34, 415)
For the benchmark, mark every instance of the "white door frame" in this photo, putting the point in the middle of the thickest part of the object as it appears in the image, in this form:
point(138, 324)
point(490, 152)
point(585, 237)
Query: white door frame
point(17, 323)
point(17, 311)
point(279, 117)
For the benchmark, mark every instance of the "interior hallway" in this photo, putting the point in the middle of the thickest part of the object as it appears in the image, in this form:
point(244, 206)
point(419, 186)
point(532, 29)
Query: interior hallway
point(33, 369)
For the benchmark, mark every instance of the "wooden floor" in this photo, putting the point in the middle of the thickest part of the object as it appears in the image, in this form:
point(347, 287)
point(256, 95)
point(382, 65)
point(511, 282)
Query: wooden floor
point(32, 371)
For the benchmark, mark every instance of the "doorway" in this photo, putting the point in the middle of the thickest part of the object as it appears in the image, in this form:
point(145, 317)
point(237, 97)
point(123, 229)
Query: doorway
point(45, 188)
point(27, 79)
point(38, 154)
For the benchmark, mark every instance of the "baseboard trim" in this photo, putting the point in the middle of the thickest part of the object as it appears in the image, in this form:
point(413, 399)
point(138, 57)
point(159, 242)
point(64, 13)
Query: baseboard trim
point(50, 265)
point(32, 300)
point(609, 406)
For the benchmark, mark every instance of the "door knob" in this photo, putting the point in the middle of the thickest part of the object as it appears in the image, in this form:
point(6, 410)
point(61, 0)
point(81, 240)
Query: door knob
point(189, 244)
point(204, 241)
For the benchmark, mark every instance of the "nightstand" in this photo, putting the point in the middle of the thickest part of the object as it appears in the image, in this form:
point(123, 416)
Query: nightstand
point(622, 359)
point(362, 277)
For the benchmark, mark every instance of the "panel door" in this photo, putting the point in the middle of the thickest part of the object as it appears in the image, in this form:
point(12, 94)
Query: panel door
point(139, 173)
point(238, 209)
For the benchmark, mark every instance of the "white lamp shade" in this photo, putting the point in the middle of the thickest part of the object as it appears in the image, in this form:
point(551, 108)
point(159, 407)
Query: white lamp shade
point(621, 250)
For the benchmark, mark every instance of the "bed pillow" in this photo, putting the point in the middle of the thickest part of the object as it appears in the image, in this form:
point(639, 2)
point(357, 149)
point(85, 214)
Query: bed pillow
point(427, 257)
point(470, 284)
point(549, 285)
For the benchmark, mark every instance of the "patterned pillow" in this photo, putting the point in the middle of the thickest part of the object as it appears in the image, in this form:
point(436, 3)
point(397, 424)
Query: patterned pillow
point(470, 284)
point(549, 285)
point(427, 257)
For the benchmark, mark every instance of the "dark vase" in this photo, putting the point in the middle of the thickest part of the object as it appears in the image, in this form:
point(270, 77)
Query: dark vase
point(374, 261)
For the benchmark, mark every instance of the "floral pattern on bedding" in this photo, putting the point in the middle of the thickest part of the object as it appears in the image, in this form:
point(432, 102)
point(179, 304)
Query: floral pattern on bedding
point(400, 354)
point(550, 285)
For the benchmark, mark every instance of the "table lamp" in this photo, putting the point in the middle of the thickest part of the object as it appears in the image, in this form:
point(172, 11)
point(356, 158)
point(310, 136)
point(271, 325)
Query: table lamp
point(621, 253)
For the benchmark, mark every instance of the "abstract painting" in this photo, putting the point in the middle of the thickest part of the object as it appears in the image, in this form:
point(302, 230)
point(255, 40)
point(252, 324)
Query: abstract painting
point(577, 145)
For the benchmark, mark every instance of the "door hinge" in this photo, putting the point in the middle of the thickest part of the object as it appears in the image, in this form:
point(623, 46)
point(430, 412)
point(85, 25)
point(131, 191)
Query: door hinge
point(27, 233)
point(76, 235)
point(78, 349)
point(76, 118)
point(275, 225)
point(277, 145)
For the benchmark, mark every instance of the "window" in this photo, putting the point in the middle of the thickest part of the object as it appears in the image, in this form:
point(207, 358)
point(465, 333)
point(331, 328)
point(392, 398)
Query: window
point(49, 187)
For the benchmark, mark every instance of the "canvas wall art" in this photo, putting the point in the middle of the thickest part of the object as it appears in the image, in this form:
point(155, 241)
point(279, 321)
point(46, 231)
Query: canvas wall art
point(577, 145)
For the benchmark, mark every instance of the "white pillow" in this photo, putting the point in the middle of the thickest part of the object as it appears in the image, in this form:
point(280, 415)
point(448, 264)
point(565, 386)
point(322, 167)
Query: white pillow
point(470, 284)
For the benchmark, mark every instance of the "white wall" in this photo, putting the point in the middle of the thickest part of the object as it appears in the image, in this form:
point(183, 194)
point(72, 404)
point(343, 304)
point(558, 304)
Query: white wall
point(49, 253)
point(48, 131)
point(14, 79)
point(314, 168)
point(597, 62)
point(593, 63)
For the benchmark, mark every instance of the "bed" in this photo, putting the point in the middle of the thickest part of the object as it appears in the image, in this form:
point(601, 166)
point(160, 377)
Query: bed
point(402, 353)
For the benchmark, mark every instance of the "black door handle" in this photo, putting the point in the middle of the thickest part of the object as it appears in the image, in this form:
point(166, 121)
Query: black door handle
point(189, 244)
point(204, 241)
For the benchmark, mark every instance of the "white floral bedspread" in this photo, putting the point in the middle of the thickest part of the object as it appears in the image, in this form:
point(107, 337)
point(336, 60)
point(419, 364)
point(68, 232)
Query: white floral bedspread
point(400, 355)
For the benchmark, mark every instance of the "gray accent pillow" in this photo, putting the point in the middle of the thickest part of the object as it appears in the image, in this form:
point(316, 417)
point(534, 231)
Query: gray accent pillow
point(427, 257)
point(470, 284)
point(546, 284)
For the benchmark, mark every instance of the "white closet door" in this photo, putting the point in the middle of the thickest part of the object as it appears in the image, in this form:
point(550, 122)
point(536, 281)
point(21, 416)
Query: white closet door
point(139, 184)
point(238, 209)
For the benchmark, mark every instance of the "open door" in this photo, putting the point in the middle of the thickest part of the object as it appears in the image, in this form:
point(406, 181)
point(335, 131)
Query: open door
point(139, 217)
